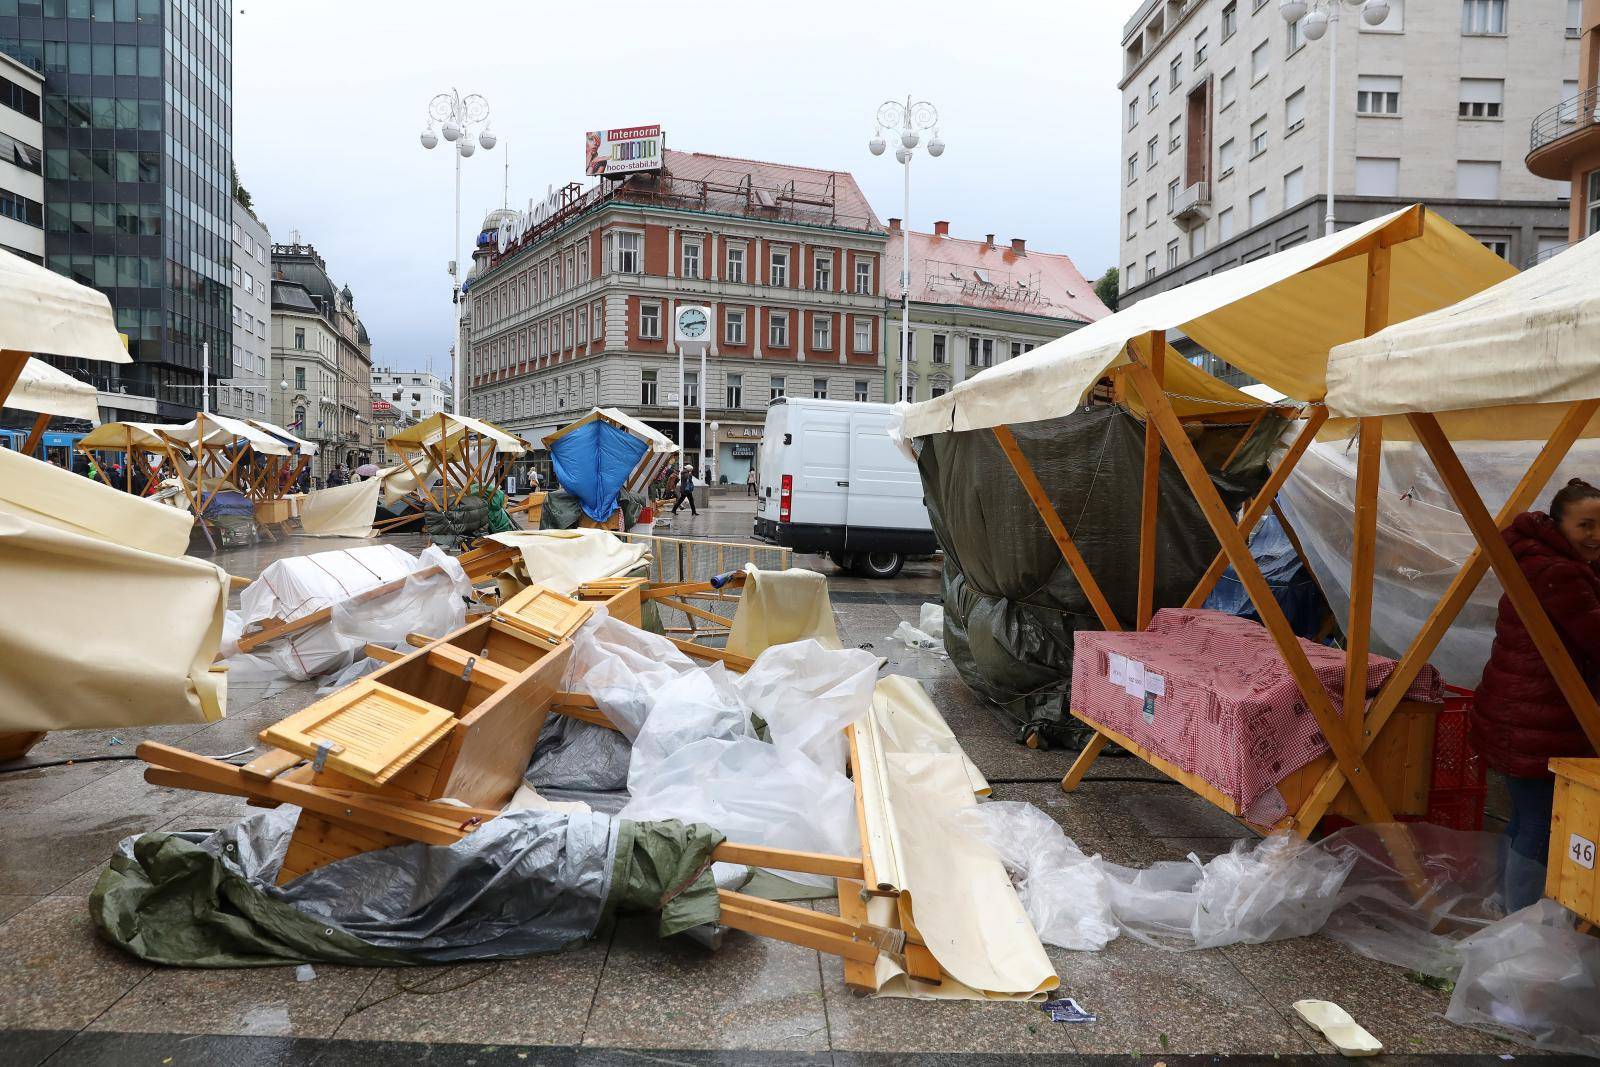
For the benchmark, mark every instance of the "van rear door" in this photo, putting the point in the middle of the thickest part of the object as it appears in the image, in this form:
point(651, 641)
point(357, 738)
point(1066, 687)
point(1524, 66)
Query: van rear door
point(822, 473)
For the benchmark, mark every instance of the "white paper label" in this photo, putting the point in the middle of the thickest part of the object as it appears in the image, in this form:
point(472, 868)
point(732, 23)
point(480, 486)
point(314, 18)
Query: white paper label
point(1134, 686)
point(1155, 683)
point(1581, 849)
point(1117, 669)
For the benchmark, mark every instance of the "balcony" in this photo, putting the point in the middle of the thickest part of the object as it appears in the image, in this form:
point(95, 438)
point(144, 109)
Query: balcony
point(1193, 206)
point(1562, 135)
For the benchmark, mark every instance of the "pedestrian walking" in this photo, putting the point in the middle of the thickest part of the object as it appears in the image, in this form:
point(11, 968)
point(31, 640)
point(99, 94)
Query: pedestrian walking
point(1519, 719)
point(750, 483)
point(686, 491)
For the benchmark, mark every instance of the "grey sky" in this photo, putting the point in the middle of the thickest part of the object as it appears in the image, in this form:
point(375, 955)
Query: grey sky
point(329, 97)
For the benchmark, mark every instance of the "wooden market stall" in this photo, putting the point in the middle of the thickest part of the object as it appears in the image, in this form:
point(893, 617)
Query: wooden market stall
point(275, 482)
point(457, 451)
point(225, 454)
point(140, 444)
point(1276, 319)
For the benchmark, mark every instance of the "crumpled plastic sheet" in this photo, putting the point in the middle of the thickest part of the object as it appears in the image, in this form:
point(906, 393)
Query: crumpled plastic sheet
point(918, 638)
point(698, 751)
point(434, 605)
point(1280, 888)
point(523, 883)
point(1534, 978)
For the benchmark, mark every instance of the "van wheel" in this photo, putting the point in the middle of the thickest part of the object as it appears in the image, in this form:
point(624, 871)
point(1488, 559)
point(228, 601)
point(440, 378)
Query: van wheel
point(879, 564)
point(845, 561)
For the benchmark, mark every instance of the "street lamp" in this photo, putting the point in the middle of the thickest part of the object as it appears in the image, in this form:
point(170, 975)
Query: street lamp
point(910, 119)
point(1319, 17)
point(459, 118)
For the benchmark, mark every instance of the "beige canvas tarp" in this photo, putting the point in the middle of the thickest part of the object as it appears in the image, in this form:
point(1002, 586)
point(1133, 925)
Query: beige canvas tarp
point(126, 437)
point(776, 607)
point(42, 311)
point(341, 511)
point(304, 447)
point(444, 427)
point(220, 429)
point(108, 623)
point(47, 391)
point(1275, 318)
point(564, 559)
point(1532, 339)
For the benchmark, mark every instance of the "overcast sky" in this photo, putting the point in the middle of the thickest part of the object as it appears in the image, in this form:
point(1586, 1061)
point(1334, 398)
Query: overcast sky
point(330, 95)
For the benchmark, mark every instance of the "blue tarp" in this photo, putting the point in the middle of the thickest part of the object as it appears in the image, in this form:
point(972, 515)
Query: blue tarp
point(593, 463)
point(1292, 586)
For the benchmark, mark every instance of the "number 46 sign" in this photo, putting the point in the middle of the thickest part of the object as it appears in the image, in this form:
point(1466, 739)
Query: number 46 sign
point(1581, 849)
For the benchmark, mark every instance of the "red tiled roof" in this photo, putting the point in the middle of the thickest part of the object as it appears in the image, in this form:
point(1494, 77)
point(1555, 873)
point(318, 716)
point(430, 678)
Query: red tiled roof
point(800, 194)
point(946, 270)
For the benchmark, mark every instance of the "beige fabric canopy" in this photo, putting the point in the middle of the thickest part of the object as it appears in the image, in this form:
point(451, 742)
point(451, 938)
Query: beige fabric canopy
point(220, 429)
point(1275, 318)
point(43, 389)
point(307, 448)
point(447, 429)
point(1532, 339)
point(126, 437)
point(41, 311)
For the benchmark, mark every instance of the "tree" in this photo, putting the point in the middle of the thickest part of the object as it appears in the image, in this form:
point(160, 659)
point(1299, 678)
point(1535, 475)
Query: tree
point(240, 193)
point(1106, 288)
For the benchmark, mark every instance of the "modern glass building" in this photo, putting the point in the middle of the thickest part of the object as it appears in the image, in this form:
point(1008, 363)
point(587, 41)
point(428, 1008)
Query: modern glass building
point(138, 151)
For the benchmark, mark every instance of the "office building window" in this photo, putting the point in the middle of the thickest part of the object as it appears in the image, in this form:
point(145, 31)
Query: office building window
point(735, 268)
point(819, 388)
point(1172, 195)
point(1483, 16)
point(733, 326)
point(862, 390)
point(735, 391)
point(1478, 179)
point(1377, 94)
point(1133, 221)
point(1175, 134)
point(1197, 241)
point(649, 321)
point(864, 277)
point(300, 378)
point(299, 338)
point(1296, 39)
point(1592, 215)
point(1225, 224)
point(647, 388)
point(1258, 207)
point(822, 332)
point(630, 258)
point(583, 330)
point(691, 389)
point(863, 335)
point(1130, 276)
point(1150, 210)
point(1227, 89)
point(1227, 156)
point(1149, 265)
point(939, 353)
point(778, 269)
point(1133, 113)
point(1153, 97)
point(776, 387)
point(1377, 176)
point(822, 273)
point(1151, 147)
point(1294, 187)
point(1175, 73)
point(1133, 168)
point(778, 329)
point(1200, 47)
point(1258, 136)
point(691, 259)
point(1482, 98)
point(1260, 62)
point(1294, 111)
point(1500, 246)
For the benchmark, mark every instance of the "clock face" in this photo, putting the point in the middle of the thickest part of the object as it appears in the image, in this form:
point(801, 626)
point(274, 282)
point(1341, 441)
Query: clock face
point(692, 323)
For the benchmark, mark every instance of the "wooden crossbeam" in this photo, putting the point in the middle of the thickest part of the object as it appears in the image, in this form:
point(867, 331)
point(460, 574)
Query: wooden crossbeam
point(802, 926)
point(732, 660)
point(1058, 530)
point(1150, 491)
point(784, 859)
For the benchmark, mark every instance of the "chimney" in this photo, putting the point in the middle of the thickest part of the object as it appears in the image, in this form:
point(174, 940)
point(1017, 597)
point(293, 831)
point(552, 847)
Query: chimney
point(941, 229)
point(988, 240)
point(894, 225)
point(1019, 245)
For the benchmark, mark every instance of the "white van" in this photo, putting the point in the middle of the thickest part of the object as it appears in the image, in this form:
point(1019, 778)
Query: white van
point(832, 482)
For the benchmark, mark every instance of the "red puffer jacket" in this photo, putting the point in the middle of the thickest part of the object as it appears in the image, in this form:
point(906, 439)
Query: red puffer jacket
point(1519, 719)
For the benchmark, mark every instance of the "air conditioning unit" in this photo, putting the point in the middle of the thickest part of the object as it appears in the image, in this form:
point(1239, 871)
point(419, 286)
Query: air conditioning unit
point(1193, 205)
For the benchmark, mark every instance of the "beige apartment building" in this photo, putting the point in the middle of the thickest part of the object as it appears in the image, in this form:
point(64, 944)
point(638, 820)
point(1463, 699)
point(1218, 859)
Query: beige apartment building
point(1225, 121)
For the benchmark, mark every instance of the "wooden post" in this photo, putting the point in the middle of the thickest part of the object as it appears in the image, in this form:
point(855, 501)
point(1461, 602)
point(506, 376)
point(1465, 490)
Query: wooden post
point(1363, 557)
point(1543, 633)
point(1258, 506)
point(11, 364)
point(1150, 498)
point(1249, 431)
point(36, 435)
point(1058, 530)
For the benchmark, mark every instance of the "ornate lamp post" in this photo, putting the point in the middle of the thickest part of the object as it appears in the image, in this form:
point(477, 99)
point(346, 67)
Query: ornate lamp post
point(459, 118)
point(911, 119)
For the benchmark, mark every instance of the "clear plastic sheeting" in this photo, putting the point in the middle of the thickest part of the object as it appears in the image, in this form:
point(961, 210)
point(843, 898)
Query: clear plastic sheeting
point(1422, 540)
point(808, 694)
point(1278, 888)
point(621, 666)
point(1534, 978)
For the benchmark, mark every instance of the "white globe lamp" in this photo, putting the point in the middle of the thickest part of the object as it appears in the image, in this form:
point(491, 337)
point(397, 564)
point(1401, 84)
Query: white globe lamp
point(1374, 12)
point(488, 140)
point(429, 138)
point(1315, 25)
point(1292, 10)
point(936, 146)
point(465, 147)
point(451, 131)
point(876, 145)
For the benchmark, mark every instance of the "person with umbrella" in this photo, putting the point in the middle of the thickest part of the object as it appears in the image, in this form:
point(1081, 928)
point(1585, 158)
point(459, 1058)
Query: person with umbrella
point(367, 470)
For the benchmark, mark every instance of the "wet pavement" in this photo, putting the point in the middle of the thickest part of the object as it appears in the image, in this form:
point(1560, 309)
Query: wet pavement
point(68, 998)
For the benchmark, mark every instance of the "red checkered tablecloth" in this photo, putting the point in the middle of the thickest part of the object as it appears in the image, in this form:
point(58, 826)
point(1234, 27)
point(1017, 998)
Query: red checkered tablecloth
point(1217, 699)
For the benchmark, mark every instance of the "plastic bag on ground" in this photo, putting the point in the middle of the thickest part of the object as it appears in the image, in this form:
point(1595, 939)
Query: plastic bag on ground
point(919, 639)
point(1534, 978)
point(930, 620)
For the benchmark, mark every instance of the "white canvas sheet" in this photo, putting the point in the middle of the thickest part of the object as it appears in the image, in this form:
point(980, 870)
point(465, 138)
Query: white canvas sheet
point(305, 448)
point(564, 559)
point(1275, 318)
point(43, 389)
point(299, 585)
point(220, 428)
point(42, 311)
point(776, 607)
point(341, 511)
point(1532, 339)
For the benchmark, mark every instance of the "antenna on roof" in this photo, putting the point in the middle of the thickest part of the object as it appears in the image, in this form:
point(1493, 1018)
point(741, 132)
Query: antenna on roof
point(505, 194)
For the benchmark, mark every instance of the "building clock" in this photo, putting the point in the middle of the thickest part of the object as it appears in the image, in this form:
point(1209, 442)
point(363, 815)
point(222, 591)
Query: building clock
point(693, 325)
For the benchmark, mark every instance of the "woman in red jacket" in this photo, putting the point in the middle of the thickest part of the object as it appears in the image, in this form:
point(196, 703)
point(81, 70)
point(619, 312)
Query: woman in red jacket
point(1519, 719)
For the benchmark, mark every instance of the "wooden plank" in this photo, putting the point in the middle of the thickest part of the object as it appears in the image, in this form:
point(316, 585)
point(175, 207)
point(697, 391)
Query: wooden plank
point(784, 859)
point(1080, 766)
point(869, 874)
point(1455, 597)
point(1363, 555)
point(485, 671)
point(382, 653)
point(694, 612)
point(732, 660)
point(269, 765)
point(1543, 634)
point(858, 974)
point(1267, 607)
point(1408, 227)
point(1263, 499)
point(798, 926)
point(1194, 782)
point(1058, 529)
point(1150, 491)
point(273, 632)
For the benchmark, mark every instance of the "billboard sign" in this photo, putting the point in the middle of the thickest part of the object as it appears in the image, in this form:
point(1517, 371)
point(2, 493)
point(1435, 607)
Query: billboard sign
point(629, 150)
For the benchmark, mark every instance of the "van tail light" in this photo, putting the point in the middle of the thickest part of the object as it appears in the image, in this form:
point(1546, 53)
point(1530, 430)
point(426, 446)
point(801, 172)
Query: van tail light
point(784, 496)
